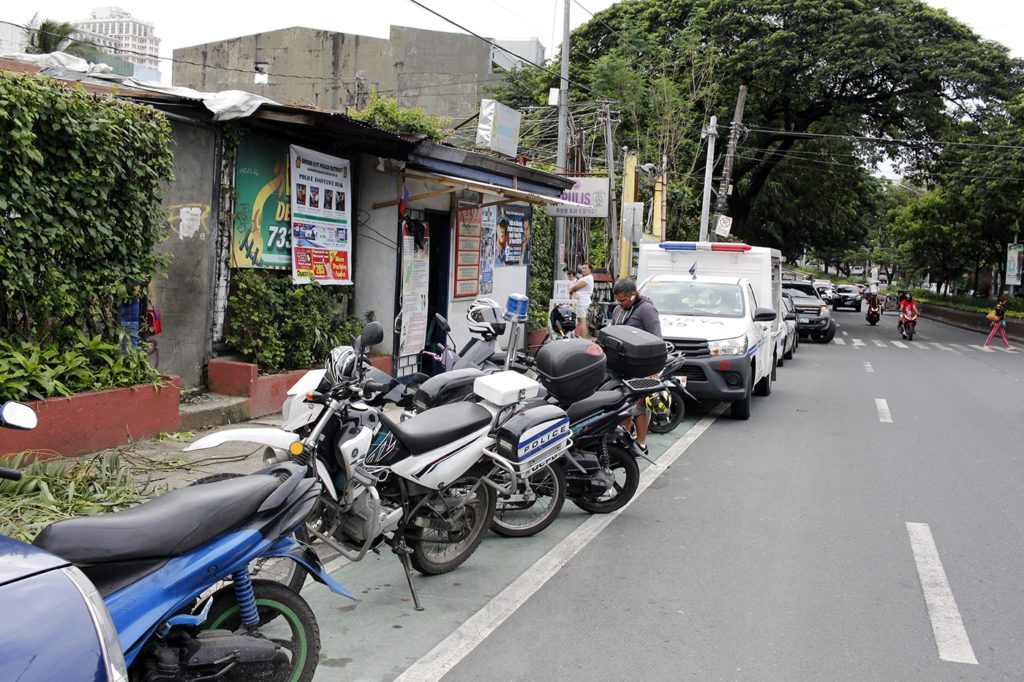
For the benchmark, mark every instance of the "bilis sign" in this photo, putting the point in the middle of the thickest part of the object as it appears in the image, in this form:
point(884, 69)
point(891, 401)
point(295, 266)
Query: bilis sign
point(591, 195)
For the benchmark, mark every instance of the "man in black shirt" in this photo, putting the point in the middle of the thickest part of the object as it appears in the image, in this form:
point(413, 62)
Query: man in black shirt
point(637, 311)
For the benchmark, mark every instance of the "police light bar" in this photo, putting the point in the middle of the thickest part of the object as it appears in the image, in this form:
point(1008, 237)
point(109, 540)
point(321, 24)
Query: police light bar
point(704, 246)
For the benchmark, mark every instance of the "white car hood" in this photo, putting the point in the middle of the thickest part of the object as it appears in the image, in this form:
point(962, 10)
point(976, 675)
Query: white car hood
point(710, 328)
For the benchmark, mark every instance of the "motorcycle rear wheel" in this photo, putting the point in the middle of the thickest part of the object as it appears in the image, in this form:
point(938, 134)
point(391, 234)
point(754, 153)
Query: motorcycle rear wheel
point(285, 618)
point(436, 550)
point(664, 423)
point(521, 518)
point(627, 479)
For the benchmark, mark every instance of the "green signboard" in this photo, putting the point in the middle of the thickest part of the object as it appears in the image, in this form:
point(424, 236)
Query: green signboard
point(261, 228)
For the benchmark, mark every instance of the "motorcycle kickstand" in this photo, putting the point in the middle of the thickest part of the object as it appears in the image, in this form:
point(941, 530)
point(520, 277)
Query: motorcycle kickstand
point(403, 551)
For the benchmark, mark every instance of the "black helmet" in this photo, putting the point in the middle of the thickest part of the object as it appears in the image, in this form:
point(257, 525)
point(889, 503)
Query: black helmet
point(562, 320)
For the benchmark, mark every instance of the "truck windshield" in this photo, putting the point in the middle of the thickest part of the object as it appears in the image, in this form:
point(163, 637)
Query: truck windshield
point(695, 298)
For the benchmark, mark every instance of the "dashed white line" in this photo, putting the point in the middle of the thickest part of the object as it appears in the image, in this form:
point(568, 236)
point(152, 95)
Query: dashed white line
point(957, 346)
point(919, 345)
point(879, 343)
point(941, 347)
point(900, 344)
point(868, 368)
point(858, 342)
point(1005, 350)
point(846, 333)
point(884, 415)
point(449, 651)
point(947, 625)
point(839, 342)
point(983, 349)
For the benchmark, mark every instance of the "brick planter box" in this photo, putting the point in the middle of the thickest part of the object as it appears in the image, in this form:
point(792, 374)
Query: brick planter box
point(265, 393)
point(971, 321)
point(97, 420)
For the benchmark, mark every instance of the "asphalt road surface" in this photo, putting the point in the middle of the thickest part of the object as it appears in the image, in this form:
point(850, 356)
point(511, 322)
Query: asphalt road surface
point(864, 524)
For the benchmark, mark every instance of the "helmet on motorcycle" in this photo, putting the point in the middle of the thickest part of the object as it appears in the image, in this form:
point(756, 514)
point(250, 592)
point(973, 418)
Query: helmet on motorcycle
point(341, 365)
point(486, 318)
point(562, 320)
point(658, 403)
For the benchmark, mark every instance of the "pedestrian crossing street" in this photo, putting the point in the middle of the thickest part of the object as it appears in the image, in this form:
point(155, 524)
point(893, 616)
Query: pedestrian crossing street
point(957, 348)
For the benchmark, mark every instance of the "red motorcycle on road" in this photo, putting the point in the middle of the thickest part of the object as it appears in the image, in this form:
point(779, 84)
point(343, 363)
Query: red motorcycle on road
point(908, 322)
point(874, 313)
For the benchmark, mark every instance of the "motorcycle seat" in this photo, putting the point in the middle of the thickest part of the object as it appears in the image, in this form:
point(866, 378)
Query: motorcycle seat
point(599, 401)
point(438, 426)
point(168, 526)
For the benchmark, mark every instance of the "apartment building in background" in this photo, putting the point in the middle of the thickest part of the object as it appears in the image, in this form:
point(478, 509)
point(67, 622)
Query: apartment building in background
point(117, 32)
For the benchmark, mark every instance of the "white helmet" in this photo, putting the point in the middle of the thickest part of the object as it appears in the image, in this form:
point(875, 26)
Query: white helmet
point(486, 318)
point(341, 365)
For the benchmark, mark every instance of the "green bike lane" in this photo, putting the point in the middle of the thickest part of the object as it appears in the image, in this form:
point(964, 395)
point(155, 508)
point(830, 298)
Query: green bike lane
point(381, 635)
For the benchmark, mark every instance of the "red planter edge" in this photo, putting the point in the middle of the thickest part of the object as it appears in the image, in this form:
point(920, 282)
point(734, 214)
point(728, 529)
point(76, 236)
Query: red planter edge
point(97, 420)
point(265, 393)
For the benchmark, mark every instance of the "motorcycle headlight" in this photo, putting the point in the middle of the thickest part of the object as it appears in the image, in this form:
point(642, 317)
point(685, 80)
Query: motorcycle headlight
point(111, 645)
point(737, 346)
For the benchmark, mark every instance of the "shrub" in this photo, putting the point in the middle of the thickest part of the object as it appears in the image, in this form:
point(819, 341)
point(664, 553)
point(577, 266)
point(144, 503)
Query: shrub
point(81, 179)
point(282, 326)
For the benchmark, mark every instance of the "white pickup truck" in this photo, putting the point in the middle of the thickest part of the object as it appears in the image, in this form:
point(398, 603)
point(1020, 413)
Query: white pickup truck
point(721, 305)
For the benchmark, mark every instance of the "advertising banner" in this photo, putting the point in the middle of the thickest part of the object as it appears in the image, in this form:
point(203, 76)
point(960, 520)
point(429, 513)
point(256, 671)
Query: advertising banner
point(590, 193)
point(488, 226)
point(1013, 263)
point(512, 236)
point(498, 127)
point(321, 217)
point(261, 227)
point(466, 270)
point(415, 288)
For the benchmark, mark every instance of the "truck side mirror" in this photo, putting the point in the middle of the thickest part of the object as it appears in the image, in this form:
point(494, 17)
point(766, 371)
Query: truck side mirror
point(790, 317)
point(764, 315)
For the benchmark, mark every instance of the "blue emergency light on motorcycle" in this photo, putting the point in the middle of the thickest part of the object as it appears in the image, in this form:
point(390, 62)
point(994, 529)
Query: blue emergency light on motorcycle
point(516, 307)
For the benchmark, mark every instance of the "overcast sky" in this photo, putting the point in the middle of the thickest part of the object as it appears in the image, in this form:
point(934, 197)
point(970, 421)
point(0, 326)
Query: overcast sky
point(180, 23)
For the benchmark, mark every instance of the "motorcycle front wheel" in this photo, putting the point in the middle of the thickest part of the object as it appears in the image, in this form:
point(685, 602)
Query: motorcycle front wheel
point(533, 507)
point(672, 417)
point(285, 619)
point(627, 477)
point(442, 538)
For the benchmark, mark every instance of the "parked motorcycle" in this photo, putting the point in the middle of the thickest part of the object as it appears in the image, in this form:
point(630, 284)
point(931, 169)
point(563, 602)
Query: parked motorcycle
point(425, 486)
point(874, 313)
point(908, 323)
point(145, 573)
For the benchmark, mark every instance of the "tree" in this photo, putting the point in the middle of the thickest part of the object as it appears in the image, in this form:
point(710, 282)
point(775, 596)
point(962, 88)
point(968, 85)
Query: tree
point(57, 36)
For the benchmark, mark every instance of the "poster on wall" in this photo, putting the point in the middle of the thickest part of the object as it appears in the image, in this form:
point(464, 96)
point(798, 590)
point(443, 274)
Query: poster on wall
point(261, 223)
point(415, 288)
point(321, 217)
point(488, 224)
point(466, 269)
point(512, 236)
point(1013, 263)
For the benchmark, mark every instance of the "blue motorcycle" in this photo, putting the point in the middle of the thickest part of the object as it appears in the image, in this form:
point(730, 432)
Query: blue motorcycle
point(146, 576)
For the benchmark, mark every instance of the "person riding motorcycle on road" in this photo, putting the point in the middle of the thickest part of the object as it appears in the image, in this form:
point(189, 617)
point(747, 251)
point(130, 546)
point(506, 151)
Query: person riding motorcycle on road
point(908, 307)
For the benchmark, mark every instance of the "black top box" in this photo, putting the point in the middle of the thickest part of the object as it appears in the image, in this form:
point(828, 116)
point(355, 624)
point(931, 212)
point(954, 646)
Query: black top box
point(571, 369)
point(632, 353)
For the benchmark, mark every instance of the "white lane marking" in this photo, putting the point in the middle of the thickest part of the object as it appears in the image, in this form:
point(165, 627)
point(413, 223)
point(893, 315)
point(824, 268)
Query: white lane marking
point(941, 347)
point(919, 345)
point(900, 344)
point(879, 343)
point(957, 346)
point(846, 333)
point(1004, 349)
point(858, 342)
point(449, 651)
point(983, 349)
point(947, 625)
point(839, 342)
point(884, 415)
point(868, 368)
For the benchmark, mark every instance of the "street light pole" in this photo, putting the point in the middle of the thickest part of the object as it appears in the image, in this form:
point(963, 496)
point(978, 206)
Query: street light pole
point(711, 132)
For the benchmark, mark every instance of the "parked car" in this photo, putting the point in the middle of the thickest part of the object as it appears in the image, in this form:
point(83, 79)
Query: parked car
point(791, 339)
point(848, 296)
point(814, 318)
point(826, 290)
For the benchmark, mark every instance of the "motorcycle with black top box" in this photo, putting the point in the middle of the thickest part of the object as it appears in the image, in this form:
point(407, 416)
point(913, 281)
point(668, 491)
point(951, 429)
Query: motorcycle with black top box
point(632, 353)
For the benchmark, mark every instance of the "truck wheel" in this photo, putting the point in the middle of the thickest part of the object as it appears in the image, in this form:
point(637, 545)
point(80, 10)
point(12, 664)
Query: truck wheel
point(741, 408)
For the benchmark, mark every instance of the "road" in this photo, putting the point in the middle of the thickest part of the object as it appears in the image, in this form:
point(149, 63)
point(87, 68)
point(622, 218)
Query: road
point(863, 524)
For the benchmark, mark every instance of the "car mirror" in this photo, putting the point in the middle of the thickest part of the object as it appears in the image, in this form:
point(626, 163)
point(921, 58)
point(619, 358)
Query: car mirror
point(18, 416)
point(790, 317)
point(764, 315)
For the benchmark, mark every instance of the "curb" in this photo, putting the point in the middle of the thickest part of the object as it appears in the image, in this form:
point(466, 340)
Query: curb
point(973, 323)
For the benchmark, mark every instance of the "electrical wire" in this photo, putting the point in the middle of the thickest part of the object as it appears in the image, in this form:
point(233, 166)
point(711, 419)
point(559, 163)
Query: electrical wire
point(880, 140)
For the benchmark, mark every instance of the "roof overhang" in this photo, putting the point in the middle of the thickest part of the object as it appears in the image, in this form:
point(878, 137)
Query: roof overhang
point(501, 194)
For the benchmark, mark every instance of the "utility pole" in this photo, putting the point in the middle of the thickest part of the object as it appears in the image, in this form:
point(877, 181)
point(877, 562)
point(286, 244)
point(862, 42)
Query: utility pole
point(563, 129)
point(664, 197)
point(730, 156)
point(612, 223)
point(711, 132)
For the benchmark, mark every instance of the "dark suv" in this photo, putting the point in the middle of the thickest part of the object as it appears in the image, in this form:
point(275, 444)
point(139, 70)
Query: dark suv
point(813, 317)
point(848, 296)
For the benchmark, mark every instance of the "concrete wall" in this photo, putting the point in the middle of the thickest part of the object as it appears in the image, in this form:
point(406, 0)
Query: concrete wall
point(434, 70)
point(375, 260)
point(184, 297)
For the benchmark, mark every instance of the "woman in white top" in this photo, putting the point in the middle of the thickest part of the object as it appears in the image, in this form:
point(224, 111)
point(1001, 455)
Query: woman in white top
point(582, 290)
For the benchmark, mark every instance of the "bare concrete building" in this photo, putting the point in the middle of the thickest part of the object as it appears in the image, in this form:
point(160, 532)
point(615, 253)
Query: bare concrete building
point(444, 73)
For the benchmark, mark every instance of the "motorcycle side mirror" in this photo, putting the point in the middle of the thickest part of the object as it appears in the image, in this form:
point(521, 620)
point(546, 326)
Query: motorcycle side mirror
point(443, 323)
point(18, 416)
point(373, 334)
